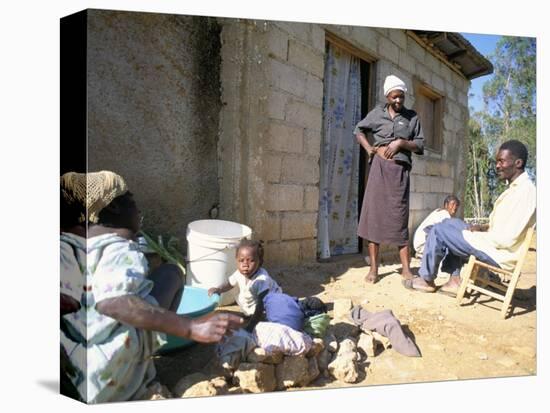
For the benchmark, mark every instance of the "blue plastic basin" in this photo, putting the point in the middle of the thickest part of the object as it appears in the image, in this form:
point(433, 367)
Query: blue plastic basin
point(194, 303)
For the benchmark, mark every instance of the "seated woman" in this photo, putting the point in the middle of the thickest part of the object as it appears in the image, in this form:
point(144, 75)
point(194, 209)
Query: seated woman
point(123, 311)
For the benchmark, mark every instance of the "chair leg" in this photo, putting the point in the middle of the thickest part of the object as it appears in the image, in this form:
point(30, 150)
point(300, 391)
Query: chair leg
point(509, 294)
point(465, 280)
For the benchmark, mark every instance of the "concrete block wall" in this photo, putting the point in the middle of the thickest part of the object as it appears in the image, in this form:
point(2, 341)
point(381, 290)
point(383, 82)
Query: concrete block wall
point(271, 120)
point(276, 127)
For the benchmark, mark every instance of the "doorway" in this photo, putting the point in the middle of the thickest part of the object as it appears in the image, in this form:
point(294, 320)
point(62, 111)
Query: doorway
point(346, 101)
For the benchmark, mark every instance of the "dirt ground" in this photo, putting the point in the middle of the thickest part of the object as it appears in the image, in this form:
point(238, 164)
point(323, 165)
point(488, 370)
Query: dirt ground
point(456, 342)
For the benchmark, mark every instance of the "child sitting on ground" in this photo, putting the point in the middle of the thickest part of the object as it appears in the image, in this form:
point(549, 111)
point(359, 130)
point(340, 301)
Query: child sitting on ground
point(260, 295)
point(450, 206)
point(251, 278)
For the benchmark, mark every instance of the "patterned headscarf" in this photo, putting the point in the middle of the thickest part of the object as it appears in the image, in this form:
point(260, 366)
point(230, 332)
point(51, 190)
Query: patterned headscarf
point(93, 191)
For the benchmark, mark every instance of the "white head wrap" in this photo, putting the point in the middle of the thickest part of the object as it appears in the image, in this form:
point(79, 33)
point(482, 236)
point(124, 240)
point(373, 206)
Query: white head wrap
point(393, 83)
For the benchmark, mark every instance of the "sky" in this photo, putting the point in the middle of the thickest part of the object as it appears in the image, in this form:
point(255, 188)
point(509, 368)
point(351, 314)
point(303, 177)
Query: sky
point(485, 44)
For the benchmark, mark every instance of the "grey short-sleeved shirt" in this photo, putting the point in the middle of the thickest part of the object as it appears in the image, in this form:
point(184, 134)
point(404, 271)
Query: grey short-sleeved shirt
point(405, 125)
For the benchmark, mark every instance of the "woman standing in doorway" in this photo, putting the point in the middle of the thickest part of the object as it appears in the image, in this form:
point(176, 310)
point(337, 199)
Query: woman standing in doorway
point(396, 133)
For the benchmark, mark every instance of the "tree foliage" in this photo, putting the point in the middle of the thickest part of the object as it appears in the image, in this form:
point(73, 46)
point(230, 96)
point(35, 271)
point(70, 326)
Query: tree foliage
point(510, 96)
point(509, 113)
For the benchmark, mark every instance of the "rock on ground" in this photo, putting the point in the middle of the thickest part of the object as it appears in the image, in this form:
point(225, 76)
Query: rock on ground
point(259, 355)
point(188, 381)
point(342, 308)
point(292, 372)
point(255, 377)
point(344, 366)
point(157, 391)
point(316, 348)
point(323, 359)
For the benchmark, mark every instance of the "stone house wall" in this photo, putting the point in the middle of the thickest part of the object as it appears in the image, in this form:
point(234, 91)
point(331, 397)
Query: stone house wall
point(271, 121)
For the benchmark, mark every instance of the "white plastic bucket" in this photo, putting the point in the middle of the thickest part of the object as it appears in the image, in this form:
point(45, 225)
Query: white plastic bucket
point(211, 246)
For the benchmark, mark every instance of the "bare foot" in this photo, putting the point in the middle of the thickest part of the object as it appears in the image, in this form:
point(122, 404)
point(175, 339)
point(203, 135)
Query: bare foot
point(371, 277)
point(407, 275)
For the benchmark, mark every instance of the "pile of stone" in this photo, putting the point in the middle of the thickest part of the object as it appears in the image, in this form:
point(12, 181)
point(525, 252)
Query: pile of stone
point(339, 355)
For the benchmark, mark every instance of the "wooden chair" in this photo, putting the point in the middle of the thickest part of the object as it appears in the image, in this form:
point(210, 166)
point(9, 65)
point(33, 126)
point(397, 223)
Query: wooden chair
point(509, 278)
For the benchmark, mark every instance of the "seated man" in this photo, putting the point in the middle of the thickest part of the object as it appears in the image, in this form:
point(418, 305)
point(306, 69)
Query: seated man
point(452, 241)
point(450, 206)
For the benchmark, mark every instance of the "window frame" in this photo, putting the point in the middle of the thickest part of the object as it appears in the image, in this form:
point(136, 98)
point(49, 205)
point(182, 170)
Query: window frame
point(435, 144)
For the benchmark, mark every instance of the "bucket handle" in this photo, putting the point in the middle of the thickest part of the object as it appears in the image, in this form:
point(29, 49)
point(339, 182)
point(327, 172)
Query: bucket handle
point(210, 253)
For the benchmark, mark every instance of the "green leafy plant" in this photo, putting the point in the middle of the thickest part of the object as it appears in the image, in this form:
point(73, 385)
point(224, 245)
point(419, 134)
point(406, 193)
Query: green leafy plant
point(168, 251)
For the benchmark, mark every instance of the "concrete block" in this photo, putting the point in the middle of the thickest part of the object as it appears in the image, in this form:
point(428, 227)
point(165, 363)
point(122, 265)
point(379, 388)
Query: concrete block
point(422, 184)
point(287, 77)
point(306, 58)
point(448, 186)
point(311, 198)
point(269, 227)
point(419, 165)
point(285, 138)
point(431, 201)
point(399, 37)
point(303, 114)
point(436, 184)
point(312, 142)
point(299, 170)
point(406, 62)
point(445, 169)
point(300, 31)
point(284, 197)
point(416, 201)
point(432, 62)
point(366, 37)
point(388, 50)
point(317, 38)
point(413, 179)
point(298, 225)
point(438, 83)
point(308, 249)
point(433, 167)
point(277, 42)
point(275, 104)
point(449, 122)
point(282, 253)
point(451, 91)
point(273, 164)
point(314, 91)
point(382, 30)
point(415, 50)
point(446, 72)
point(424, 73)
point(462, 98)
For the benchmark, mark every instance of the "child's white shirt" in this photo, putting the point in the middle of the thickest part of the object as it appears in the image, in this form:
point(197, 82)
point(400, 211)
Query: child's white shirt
point(250, 289)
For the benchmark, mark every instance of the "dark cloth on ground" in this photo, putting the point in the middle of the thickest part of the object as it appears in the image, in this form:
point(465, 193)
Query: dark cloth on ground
point(386, 324)
point(284, 309)
point(312, 306)
point(445, 244)
point(385, 211)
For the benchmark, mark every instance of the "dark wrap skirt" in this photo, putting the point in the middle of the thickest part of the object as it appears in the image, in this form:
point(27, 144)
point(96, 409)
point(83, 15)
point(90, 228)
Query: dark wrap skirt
point(385, 211)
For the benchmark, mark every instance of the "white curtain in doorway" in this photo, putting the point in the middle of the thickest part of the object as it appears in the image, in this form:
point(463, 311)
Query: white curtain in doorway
point(339, 155)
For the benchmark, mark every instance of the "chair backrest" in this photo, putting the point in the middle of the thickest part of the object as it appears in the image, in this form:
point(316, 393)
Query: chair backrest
point(524, 248)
